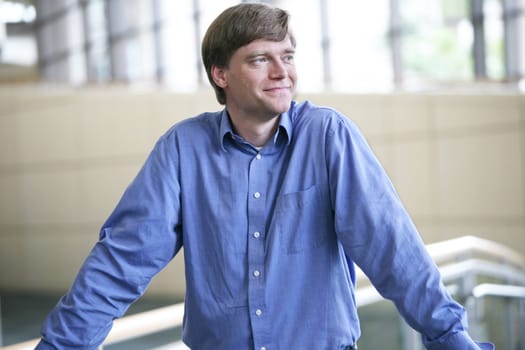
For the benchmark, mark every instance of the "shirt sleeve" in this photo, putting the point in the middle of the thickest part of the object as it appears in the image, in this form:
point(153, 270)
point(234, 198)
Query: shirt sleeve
point(378, 234)
point(139, 238)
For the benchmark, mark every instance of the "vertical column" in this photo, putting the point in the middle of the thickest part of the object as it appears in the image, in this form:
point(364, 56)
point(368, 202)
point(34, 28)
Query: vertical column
point(511, 16)
point(3, 40)
point(198, 35)
point(179, 40)
point(131, 41)
point(477, 18)
point(521, 46)
point(158, 23)
point(87, 41)
point(96, 40)
point(395, 42)
point(325, 45)
point(60, 41)
point(117, 27)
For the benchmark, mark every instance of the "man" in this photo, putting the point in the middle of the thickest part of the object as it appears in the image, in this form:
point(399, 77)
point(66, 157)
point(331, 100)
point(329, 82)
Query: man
point(272, 200)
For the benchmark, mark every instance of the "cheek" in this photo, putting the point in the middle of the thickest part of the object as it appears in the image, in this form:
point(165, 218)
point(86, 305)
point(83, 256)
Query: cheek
point(292, 73)
point(245, 79)
point(239, 85)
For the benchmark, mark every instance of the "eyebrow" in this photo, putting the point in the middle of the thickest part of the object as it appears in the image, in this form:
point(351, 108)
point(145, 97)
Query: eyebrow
point(266, 53)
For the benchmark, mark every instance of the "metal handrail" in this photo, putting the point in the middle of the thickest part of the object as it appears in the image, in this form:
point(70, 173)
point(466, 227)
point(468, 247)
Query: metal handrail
point(498, 290)
point(452, 272)
point(157, 320)
point(513, 298)
point(471, 245)
point(509, 266)
point(130, 327)
point(464, 247)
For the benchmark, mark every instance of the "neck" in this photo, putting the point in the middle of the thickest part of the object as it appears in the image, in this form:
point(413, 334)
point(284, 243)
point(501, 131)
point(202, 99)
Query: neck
point(255, 131)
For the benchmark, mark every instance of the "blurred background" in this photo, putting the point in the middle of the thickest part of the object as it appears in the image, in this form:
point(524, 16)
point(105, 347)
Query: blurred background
point(437, 87)
point(380, 46)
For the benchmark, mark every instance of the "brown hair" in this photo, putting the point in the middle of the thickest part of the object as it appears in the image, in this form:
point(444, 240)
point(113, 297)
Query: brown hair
point(238, 26)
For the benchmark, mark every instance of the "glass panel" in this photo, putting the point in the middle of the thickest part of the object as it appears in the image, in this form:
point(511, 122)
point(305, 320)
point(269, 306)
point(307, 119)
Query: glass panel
point(494, 41)
point(306, 26)
point(99, 68)
point(361, 59)
point(501, 320)
point(437, 41)
point(358, 53)
point(380, 318)
point(17, 39)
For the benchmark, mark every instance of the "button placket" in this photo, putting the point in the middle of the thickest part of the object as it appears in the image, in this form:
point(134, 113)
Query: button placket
point(258, 182)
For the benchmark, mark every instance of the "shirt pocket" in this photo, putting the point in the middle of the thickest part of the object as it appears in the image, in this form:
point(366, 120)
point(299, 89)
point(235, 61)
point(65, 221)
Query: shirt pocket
point(302, 220)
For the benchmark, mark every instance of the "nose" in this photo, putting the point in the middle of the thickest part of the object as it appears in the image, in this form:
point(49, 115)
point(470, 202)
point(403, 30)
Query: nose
point(278, 70)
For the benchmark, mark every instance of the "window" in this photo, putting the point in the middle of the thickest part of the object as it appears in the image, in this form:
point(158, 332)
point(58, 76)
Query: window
point(97, 41)
point(437, 39)
point(494, 39)
point(342, 46)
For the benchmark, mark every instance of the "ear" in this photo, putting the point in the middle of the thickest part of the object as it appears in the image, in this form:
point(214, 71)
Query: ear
point(219, 76)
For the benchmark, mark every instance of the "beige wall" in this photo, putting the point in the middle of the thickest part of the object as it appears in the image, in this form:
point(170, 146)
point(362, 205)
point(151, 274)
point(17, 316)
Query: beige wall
point(458, 162)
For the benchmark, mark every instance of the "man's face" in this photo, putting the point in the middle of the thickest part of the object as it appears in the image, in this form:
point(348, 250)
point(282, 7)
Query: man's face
point(260, 79)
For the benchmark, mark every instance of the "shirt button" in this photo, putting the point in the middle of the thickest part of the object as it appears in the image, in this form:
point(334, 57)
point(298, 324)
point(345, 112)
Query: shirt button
point(256, 273)
point(263, 348)
point(257, 195)
point(258, 312)
point(258, 156)
point(256, 234)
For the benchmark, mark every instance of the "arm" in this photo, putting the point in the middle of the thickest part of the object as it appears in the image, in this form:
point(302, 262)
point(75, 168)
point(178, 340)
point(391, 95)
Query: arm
point(378, 234)
point(140, 237)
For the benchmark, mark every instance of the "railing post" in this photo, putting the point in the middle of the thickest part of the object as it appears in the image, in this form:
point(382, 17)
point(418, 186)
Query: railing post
point(411, 339)
point(509, 320)
point(1, 329)
point(522, 321)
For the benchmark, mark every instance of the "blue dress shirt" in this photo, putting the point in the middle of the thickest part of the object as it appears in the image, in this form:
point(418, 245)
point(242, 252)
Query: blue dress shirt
point(269, 237)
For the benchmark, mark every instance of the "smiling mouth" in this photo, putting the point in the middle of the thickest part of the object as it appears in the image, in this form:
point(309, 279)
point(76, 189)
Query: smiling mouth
point(278, 88)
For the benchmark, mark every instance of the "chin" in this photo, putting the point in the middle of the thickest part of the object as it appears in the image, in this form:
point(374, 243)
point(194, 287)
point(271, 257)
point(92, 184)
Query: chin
point(283, 106)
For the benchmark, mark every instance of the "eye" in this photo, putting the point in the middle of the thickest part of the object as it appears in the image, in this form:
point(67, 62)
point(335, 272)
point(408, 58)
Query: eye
point(288, 58)
point(259, 59)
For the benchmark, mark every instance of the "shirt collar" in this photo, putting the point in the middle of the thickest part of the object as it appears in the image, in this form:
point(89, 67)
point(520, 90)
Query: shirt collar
point(285, 127)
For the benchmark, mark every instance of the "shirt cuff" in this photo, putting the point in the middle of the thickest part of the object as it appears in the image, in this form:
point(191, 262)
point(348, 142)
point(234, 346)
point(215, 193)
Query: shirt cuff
point(457, 340)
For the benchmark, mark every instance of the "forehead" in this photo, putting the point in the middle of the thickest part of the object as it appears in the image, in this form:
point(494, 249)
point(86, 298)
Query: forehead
point(263, 46)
